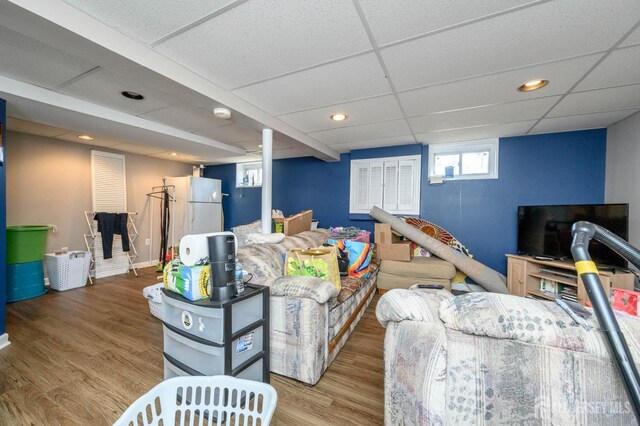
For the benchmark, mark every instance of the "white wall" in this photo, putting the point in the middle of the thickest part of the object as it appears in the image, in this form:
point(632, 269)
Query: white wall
point(622, 182)
point(49, 182)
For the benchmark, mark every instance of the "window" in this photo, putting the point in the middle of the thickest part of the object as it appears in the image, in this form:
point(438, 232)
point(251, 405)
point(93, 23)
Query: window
point(392, 184)
point(468, 160)
point(249, 175)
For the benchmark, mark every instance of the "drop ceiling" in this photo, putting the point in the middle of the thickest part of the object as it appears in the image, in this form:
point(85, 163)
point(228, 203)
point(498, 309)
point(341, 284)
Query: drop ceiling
point(416, 71)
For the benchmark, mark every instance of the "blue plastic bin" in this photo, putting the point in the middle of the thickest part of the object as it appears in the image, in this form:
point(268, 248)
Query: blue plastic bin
point(25, 281)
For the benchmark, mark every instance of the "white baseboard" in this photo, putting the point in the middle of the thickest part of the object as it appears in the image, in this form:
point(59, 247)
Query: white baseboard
point(4, 341)
point(145, 264)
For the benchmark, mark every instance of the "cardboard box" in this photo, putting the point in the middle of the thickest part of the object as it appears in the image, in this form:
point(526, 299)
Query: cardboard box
point(297, 223)
point(401, 251)
point(384, 235)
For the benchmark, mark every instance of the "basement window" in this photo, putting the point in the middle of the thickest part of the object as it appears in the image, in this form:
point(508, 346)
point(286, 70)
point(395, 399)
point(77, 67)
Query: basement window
point(392, 184)
point(468, 160)
point(249, 175)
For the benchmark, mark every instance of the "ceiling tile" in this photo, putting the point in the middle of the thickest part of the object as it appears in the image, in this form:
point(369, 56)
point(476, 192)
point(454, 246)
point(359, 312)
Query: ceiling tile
point(619, 68)
point(549, 31)
point(496, 88)
point(258, 40)
point(104, 88)
point(231, 133)
point(253, 145)
point(634, 38)
point(34, 62)
point(420, 17)
point(31, 128)
point(182, 158)
point(365, 131)
point(331, 84)
point(140, 149)
point(186, 117)
point(358, 112)
point(474, 133)
point(96, 141)
point(146, 20)
point(581, 122)
point(494, 114)
point(374, 143)
point(602, 100)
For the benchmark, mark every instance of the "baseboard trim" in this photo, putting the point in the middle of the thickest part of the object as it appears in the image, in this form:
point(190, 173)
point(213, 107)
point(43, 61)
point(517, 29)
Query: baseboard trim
point(145, 264)
point(4, 341)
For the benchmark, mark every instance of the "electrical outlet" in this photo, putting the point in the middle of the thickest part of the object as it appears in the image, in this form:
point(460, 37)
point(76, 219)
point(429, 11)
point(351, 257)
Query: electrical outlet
point(147, 242)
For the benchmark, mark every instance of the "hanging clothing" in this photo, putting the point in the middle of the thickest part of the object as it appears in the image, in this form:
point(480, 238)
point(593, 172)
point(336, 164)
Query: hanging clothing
point(110, 224)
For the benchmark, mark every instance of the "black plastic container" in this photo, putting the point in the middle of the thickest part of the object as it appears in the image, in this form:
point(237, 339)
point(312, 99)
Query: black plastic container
point(222, 253)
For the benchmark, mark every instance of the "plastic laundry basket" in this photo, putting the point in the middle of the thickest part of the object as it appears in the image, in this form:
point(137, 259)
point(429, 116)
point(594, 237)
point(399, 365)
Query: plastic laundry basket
point(68, 270)
point(214, 397)
point(154, 294)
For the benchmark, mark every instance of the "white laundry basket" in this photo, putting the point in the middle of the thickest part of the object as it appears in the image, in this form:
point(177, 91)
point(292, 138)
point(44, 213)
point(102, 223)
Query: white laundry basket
point(214, 397)
point(68, 270)
point(154, 294)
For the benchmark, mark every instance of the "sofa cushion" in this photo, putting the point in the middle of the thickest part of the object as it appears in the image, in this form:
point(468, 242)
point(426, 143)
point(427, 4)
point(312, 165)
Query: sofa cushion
point(420, 267)
point(303, 286)
point(411, 305)
point(531, 321)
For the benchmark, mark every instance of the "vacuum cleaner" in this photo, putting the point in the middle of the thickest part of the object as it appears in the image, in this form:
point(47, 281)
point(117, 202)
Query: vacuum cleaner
point(582, 233)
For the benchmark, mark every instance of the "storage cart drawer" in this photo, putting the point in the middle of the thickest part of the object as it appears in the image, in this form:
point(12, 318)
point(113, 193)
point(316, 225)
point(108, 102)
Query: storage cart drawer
point(206, 321)
point(210, 360)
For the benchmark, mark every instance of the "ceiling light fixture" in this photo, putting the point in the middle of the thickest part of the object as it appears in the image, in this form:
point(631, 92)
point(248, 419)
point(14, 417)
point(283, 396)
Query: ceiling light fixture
point(223, 113)
point(173, 154)
point(533, 85)
point(132, 95)
point(85, 137)
point(339, 117)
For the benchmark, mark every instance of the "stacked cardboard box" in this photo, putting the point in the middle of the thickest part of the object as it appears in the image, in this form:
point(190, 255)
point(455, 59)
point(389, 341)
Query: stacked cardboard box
point(389, 246)
point(293, 224)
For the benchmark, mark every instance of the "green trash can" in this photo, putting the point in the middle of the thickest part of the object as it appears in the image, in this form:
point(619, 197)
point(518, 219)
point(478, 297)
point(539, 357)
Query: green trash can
point(26, 243)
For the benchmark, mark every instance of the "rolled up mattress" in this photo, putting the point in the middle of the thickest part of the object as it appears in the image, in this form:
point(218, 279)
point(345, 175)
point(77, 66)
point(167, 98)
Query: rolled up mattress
point(487, 278)
point(194, 248)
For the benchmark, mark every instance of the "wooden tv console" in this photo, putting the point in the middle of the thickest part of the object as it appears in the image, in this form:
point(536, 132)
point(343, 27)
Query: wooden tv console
point(524, 275)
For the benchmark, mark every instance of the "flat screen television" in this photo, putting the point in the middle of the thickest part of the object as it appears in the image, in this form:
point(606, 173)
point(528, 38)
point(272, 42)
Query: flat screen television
point(546, 230)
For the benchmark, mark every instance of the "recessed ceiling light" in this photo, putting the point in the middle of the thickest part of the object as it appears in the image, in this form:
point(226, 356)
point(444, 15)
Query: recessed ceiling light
point(132, 95)
point(173, 154)
point(533, 85)
point(260, 146)
point(223, 113)
point(339, 117)
point(85, 137)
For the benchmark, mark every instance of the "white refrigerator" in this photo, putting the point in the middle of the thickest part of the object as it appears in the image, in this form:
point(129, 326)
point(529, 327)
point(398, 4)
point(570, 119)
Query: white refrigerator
point(198, 206)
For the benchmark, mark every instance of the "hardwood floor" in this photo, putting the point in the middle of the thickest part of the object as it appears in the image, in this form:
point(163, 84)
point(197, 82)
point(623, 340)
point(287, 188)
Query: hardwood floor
point(81, 357)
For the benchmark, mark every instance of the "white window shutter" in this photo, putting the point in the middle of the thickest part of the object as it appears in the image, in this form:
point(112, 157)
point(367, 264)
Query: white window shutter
point(390, 201)
point(406, 185)
point(359, 187)
point(109, 193)
point(377, 184)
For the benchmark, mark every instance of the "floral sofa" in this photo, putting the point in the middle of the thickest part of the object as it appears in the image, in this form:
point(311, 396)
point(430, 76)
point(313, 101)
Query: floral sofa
point(485, 358)
point(310, 319)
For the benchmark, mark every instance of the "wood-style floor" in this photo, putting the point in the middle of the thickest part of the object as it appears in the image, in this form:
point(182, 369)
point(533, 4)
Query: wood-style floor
point(81, 357)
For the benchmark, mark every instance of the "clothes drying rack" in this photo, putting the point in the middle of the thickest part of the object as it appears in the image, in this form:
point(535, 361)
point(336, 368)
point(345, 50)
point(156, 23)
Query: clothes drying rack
point(158, 192)
point(90, 240)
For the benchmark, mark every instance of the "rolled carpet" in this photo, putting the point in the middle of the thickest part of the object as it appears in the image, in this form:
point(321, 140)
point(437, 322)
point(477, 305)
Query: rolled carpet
point(487, 278)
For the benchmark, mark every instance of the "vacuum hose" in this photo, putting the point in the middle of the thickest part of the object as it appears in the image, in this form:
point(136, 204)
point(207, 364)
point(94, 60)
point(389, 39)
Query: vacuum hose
point(583, 232)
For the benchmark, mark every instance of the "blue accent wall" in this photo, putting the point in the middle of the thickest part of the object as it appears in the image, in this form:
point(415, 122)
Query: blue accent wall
point(3, 224)
point(559, 168)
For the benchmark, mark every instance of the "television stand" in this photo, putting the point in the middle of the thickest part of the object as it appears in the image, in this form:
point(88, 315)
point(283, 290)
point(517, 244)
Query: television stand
point(525, 273)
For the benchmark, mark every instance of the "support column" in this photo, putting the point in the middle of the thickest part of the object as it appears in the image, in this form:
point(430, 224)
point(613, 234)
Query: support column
point(267, 163)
